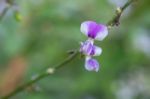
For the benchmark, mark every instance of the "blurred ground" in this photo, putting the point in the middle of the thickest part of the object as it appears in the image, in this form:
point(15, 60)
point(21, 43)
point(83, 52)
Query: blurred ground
point(49, 28)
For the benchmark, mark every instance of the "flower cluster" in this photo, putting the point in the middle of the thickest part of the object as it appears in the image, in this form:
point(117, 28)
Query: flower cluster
point(93, 31)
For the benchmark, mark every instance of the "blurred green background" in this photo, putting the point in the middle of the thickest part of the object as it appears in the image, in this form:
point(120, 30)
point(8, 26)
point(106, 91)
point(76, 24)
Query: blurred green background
point(50, 28)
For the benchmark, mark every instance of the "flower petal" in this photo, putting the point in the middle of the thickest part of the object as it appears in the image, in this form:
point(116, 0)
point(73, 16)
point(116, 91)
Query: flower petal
point(103, 32)
point(88, 48)
point(97, 51)
point(89, 28)
point(94, 30)
point(84, 27)
point(91, 64)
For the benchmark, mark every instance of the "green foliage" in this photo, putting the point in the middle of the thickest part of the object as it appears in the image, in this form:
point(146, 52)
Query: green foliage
point(49, 28)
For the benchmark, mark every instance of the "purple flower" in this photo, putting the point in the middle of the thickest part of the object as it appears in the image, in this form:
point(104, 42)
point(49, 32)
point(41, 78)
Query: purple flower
point(87, 48)
point(91, 64)
point(93, 30)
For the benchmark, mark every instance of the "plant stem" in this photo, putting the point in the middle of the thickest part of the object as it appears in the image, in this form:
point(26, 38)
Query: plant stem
point(50, 71)
point(115, 20)
point(6, 8)
point(8, 4)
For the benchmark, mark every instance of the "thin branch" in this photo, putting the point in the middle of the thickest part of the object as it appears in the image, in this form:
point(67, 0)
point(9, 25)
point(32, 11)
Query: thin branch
point(4, 9)
point(7, 4)
point(50, 71)
point(116, 19)
point(3, 13)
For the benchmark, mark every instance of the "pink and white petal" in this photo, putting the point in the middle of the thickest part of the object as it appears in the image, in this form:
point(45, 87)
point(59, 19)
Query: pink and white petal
point(91, 64)
point(102, 33)
point(84, 27)
point(89, 28)
point(98, 51)
point(86, 47)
